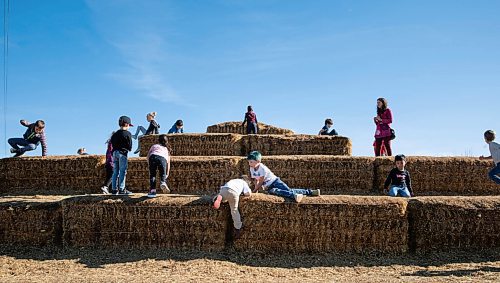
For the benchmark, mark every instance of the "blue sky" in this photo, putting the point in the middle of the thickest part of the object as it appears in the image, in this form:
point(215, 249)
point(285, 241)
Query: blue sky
point(79, 65)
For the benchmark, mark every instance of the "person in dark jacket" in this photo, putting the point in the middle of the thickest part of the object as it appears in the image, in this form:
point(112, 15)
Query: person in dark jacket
point(153, 129)
point(34, 135)
point(251, 121)
point(399, 179)
point(325, 131)
point(121, 141)
point(109, 166)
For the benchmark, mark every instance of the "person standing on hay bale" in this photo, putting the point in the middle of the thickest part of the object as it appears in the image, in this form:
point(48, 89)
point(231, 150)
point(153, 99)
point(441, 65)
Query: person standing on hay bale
point(489, 137)
point(325, 131)
point(177, 128)
point(159, 160)
point(109, 166)
point(383, 132)
point(399, 179)
point(251, 121)
point(266, 179)
point(153, 129)
point(34, 135)
point(121, 141)
point(230, 193)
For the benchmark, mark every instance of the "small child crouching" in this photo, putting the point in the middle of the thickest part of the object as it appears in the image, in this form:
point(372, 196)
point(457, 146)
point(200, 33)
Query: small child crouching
point(266, 179)
point(489, 138)
point(159, 160)
point(399, 179)
point(230, 193)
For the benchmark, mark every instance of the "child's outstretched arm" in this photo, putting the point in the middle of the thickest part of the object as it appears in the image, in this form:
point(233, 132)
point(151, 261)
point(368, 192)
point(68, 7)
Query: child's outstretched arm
point(24, 123)
point(258, 184)
point(408, 184)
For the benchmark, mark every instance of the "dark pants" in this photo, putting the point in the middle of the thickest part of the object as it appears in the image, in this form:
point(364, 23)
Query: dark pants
point(159, 163)
point(495, 174)
point(25, 145)
point(387, 145)
point(109, 174)
point(252, 128)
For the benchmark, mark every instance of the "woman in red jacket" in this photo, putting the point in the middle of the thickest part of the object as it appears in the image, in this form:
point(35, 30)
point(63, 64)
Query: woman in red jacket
point(383, 132)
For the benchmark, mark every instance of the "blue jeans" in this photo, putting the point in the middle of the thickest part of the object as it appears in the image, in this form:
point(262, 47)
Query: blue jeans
point(119, 171)
point(403, 191)
point(279, 188)
point(26, 145)
point(252, 128)
point(139, 130)
point(494, 174)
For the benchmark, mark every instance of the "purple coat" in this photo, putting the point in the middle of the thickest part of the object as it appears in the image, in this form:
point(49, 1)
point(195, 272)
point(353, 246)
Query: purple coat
point(384, 128)
point(109, 156)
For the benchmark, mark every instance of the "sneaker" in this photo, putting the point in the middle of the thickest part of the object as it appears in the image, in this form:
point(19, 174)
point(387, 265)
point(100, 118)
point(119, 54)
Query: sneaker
point(13, 150)
point(316, 193)
point(137, 151)
point(164, 188)
point(114, 192)
point(152, 193)
point(237, 233)
point(18, 154)
point(299, 197)
point(104, 190)
point(125, 193)
point(216, 201)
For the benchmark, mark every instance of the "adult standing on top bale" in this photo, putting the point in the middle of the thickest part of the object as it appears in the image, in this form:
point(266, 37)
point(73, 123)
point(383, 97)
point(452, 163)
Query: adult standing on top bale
point(383, 132)
point(34, 135)
point(494, 174)
point(251, 121)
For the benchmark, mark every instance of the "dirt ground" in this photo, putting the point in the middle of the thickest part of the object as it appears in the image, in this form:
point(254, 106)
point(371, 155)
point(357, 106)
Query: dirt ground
point(77, 265)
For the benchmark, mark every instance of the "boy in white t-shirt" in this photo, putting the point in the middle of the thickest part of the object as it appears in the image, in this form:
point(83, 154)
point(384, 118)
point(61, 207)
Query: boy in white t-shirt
point(266, 179)
point(231, 192)
point(489, 138)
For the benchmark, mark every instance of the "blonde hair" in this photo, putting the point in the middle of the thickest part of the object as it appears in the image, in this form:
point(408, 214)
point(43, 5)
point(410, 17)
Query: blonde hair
point(151, 114)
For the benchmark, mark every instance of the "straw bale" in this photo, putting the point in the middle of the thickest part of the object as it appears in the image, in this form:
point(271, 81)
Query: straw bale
point(442, 175)
point(324, 224)
point(299, 145)
point(54, 173)
point(30, 221)
point(331, 174)
point(236, 128)
point(197, 144)
point(172, 222)
point(454, 223)
point(188, 175)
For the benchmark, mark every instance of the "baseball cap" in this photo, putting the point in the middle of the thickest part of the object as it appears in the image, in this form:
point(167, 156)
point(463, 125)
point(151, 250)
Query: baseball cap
point(125, 119)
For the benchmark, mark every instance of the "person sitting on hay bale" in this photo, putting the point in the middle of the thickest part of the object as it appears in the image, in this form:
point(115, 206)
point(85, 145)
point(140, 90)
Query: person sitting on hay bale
point(153, 129)
point(266, 179)
point(34, 135)
point(494, 174)
point(325, 131)
point(399, 179)
point(230, 193)
point(82, 151)
point(159, 160)
point(177, 128)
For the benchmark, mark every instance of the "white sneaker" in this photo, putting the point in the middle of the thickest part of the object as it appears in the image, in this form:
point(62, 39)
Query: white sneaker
point(299, 197)
point(137, 151)
point(104, 190)
point(164, 188)
point(13, 150)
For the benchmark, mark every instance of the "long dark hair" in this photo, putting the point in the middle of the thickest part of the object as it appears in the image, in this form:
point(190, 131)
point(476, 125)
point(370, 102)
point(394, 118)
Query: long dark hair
point(163, 141)
point(384, 106)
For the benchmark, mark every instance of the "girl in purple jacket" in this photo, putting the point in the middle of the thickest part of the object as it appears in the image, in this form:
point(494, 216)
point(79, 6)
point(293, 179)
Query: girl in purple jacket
point(109, 167)
point(383, 131)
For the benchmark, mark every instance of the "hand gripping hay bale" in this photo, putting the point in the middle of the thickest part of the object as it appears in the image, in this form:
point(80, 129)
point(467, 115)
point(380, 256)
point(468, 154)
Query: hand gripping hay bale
point(171, 222)
point(454, 223)
point(442, 175)
point(299, 145)
point(30, 221)
point(333, 224)
point(237, 128)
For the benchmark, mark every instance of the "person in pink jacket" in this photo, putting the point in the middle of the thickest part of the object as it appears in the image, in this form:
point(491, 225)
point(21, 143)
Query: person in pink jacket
point(383, 131)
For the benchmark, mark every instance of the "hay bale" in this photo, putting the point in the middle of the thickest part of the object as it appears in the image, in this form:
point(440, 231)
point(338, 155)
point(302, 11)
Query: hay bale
point(188, 175)
point(299, 145)
point(454, 223)
point(331, 174)
point(30, 221)
point(172, 222)
point(197, 144)
point(324, 224)
point(52, 174)
point(442, 175)
point(236, 128)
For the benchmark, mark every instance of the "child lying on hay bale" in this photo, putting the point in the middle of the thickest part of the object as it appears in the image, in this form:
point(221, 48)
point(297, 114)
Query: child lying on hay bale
point(266, 179)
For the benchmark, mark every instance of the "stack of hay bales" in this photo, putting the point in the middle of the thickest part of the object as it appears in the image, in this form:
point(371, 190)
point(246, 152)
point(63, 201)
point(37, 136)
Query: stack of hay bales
point(299, 145)
point(172, 222)
point(331, 174)
point(188, 175)
point(236, 128)
point(197, 144)
point(30, 221)
point(442, 175)
point(53, 174)
point(324, 224)
point(460, 223)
